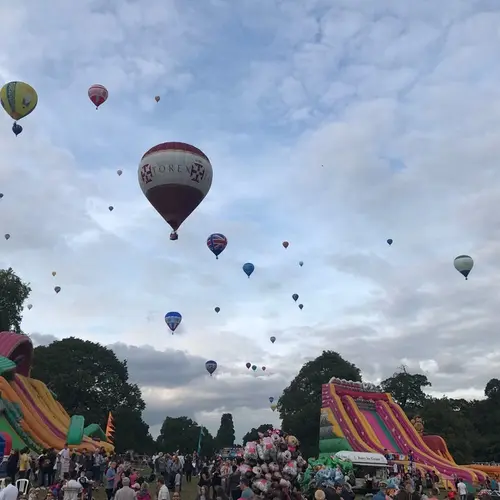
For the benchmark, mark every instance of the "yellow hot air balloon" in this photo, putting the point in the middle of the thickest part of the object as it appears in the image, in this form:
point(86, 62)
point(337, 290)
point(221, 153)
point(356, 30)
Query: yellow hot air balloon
point(18, 99)
point(53, 273)
point(274, 406)
point(157, 98)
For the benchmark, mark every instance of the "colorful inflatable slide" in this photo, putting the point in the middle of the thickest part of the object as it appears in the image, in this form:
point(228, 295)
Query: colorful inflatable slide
point(30, 415)
point(358, 417)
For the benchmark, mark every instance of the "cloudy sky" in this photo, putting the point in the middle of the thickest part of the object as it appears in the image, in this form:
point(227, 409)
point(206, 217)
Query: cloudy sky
point(334, 125)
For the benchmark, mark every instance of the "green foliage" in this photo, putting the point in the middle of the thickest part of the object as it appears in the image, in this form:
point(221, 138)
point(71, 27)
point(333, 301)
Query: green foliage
point(300, 404)
point(406, 389)
point(182, 433)
point(253, 433)
point(13, 293)
point(90, 380)
point(225, 434)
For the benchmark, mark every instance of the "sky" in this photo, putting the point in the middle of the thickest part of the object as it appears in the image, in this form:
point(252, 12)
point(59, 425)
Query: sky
point(334, 125)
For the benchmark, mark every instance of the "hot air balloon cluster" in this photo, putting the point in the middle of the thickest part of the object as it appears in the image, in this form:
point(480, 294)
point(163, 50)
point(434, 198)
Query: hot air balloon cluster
point(18, 99)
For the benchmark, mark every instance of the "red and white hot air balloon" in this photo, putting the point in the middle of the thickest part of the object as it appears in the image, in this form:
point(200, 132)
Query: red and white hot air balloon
point(175, 177)
point(98, 94)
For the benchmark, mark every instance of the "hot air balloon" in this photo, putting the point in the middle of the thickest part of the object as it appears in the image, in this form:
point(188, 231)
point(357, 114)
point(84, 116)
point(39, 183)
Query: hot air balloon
point(389, 241)
point(301, 306)
point(248, 365)
point(254, 367)
point(173, 320)
point(217, 309)
point(274, 406)
point(217, 242)
point(98, 94)
point(301, 263)
point(119, 172)
point(157, 98)
point(285, 244)
point(272, 339)
point(295, 296)
point(248, 268)
point(111, 208)
point(211, 366)
point(53, 273)
point(30, 306)
point(175, 177)
point(464, 264)
point(18, 99)
point(7, 236)
point(263, 368)
point(271, 399)
point(1, 195)
point(57, 289)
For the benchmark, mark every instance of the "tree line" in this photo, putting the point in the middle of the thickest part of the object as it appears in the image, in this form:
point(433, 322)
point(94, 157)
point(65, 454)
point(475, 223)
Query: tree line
point(90, 380)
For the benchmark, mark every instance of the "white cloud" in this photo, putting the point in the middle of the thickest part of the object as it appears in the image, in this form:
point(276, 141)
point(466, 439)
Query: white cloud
point(334, 127)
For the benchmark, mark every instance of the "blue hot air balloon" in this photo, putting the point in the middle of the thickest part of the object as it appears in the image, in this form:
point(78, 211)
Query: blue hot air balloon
point(211, 366)
point(301, 263)
point(173, 320)
point(389, 241)
point(248, 268)
point(295, 297)
point(271, 399)
point(216, 243)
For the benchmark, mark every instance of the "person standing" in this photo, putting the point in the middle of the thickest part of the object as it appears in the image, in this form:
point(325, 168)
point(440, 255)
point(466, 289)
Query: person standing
point(64, 460)
point(13, 465)
point(462, 489)
point(125, 492)
point(10, 492)
point(163, 493)
point(110, 480)
point(188, 468)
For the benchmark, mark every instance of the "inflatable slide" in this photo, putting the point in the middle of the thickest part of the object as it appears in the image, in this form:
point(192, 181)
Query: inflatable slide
point(358, 417)
point(30, 415)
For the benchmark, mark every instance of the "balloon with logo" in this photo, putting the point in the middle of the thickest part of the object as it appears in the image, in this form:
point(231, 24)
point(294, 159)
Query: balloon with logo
point(248, 268)
point(217, 309)
point(216, 243)
point(272, 339)
point(463, 264)
point(98, 94)
point(18, 99)
point(211, 366)
point(295, 297)
point(57, 289)
point(173, 320)
point(175, 177)
point(248, 365)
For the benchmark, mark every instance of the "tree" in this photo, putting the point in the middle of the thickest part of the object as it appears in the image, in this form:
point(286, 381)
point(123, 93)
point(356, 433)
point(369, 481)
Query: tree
point(13, 293)
point(406, 389)
point(183, 434)
point(90, 380)
point(253, 433)
point(225, 435)
point(131, 432)
point(492, 389)
point(300, 404)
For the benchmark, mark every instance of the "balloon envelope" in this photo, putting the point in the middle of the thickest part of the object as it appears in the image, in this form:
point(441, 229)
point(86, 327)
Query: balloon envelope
point(175, 177)
point(98, 94)
point(301, 263)
point(263, 368)
point(301, 306)
point(274, 406)
point(463, 264)
point(7, 236)
point(18, 99)
point(110, 208)
point(295, 296)
point(217, 242)
point(285, 244)
point(57, 289)
point(17, 129)
point(1, 195)
point(217, 309)
point(389, 241)
point(30, 306)
point(271, 399)
point(119, 172)
point(248, 268)
point(53, 273)
point(254, 367)
point(173, 320)
point(272, 339)
point(211, 366)
point(248, 365)
point(157, 98)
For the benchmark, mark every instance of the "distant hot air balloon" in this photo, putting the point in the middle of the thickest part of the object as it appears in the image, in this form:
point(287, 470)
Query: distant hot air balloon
point(18, 99)
point(173, 320)
point(217, 309)
point(271, 399)
point(274, 406)
point(464, 264)
point(248, 365)
point(175, 177)
point(111, 208)
point(248, 268)
point(157, 98)
point(301, 306)
point(98, 94)
point(254, 367)
point(285, 244)
point(301, 263)
point(57, 289)
point(30, 306)
point(53, 273)
point(211, 366)
point(295, 297)
point(1, 195)
point(263, 368)
point(119, 172)
point(389, 241)
point(7, 236)
point(216, 243)
point(272, 339)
